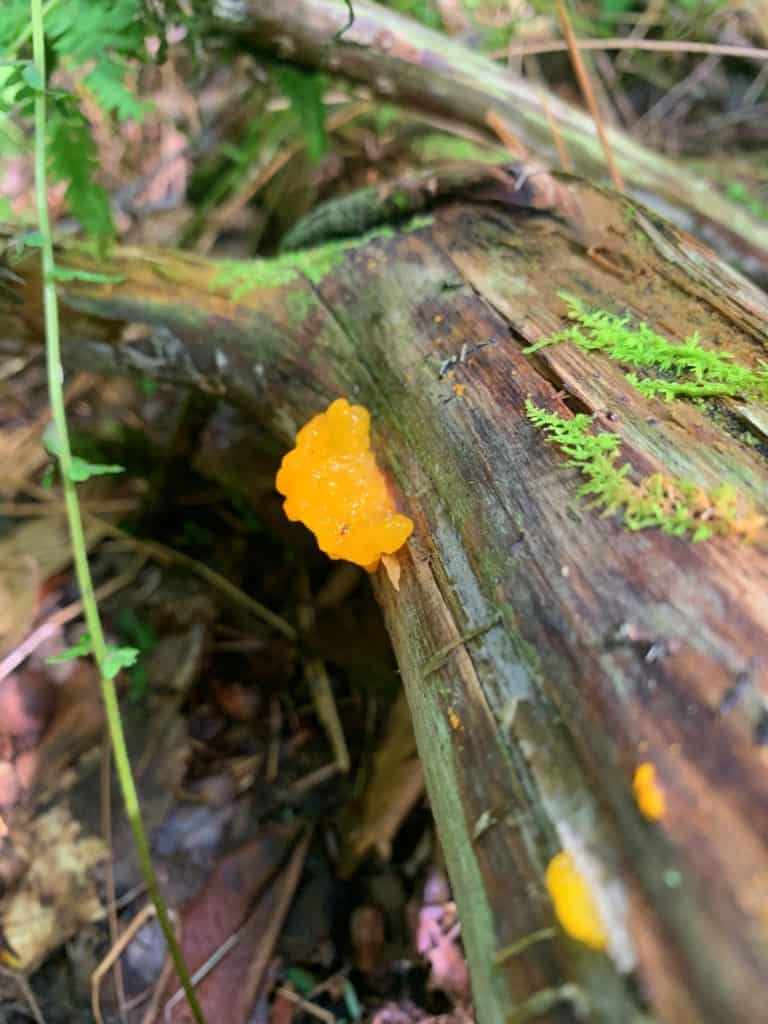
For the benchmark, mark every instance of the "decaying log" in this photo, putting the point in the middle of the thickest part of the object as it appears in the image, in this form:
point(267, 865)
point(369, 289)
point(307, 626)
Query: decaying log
point(404, 62)
point(545, 650)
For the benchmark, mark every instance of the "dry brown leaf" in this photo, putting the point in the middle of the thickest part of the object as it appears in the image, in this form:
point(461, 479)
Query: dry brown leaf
point(395, 786)
point(225, 908)
point(392, 567)
point(30, 555)
point(20, 582)
point(58, 893)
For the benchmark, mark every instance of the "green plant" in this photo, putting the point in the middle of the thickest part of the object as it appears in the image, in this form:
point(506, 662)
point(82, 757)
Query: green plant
point(674, 506)
point(305, 90)
point(739, 193)
point(695, 372)
point(109, 660)
point(96, 41)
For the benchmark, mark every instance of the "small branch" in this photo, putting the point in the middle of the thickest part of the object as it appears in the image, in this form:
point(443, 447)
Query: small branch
point(587, 91)
point(656, 45)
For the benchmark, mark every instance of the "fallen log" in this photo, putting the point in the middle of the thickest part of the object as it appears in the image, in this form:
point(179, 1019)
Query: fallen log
point(546, 650)
point(406, 63)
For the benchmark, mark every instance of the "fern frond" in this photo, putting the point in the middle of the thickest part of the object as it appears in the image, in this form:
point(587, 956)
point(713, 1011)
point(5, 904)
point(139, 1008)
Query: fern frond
point(107, 83)
point(84, 30)
point(72, 158)
point(14, 21)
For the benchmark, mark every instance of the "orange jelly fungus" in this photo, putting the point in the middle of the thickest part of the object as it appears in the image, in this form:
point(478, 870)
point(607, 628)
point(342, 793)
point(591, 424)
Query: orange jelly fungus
point(648, 793)
point(574, 906)
point(333, 486)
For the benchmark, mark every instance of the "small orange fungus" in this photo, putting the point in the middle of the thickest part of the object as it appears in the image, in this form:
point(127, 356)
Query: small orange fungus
point(333, 486)
point(574, 906)
point(648, 793)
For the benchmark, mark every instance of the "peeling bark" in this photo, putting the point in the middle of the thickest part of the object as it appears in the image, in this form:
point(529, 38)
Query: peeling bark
point(545, 650)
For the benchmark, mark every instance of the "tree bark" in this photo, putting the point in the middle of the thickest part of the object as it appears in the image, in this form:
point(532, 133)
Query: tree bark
point(406, 63)
point(545, 650)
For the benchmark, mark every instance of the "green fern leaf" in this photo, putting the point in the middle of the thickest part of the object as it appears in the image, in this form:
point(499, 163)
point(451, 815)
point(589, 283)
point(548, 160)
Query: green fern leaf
point(72, 158)
point(83, 30)
point(106, 82)
point(14, 19)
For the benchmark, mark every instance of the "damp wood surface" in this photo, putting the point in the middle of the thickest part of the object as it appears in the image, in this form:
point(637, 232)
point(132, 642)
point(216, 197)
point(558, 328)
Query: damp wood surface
point(545, 650)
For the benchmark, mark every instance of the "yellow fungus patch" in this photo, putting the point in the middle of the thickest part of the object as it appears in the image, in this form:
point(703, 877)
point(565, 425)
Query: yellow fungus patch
point(575, 909)
point(648, 793)
point(333, 486)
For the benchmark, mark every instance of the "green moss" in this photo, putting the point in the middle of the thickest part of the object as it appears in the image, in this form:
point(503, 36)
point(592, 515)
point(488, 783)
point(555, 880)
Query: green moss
point(693, 371)
point(243, 276)
point(438, 146)
point(674, 506)
point(299, 303)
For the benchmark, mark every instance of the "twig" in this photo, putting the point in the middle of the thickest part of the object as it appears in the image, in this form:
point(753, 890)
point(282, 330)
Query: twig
point(439, 658)
point(314, 778)
point(516, 948)
point(505, 135)
point(136, 924)
point(311, 1008)
point(26, 991)
point(204, 969)
point(106, 828)
point(589, 95)
point(162, 553)
point(533, 71)
point(666, 105)
point(660, 45)
point(61, 617)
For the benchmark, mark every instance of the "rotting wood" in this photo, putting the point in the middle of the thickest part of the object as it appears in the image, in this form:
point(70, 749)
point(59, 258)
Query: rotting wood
point(613, 648)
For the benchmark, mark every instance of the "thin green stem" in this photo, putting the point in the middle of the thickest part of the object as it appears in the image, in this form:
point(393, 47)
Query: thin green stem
point(26, 32)
point(79, 550)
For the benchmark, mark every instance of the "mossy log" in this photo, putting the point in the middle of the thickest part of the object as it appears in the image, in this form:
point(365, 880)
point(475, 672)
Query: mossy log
point(545, 649)
point(408, 64)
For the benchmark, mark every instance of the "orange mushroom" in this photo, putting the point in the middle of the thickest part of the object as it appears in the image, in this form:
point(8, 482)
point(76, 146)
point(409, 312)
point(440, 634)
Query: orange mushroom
point(574, 906)
point(333, 486)
point(649, 795)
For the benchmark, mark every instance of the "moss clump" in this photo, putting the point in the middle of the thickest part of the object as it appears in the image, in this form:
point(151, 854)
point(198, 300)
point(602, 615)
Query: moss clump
point(694, 372)
point(242, 276)
point(674, 506)
point(436, 146)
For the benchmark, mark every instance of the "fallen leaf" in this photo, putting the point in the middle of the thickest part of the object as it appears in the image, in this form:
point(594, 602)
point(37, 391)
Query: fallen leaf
point(59, 892)
point(392, 568)
point(229, 909)
point(395, 786)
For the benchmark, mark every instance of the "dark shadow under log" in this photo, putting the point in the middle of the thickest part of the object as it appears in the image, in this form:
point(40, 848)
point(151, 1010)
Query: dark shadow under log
point(572, 649)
